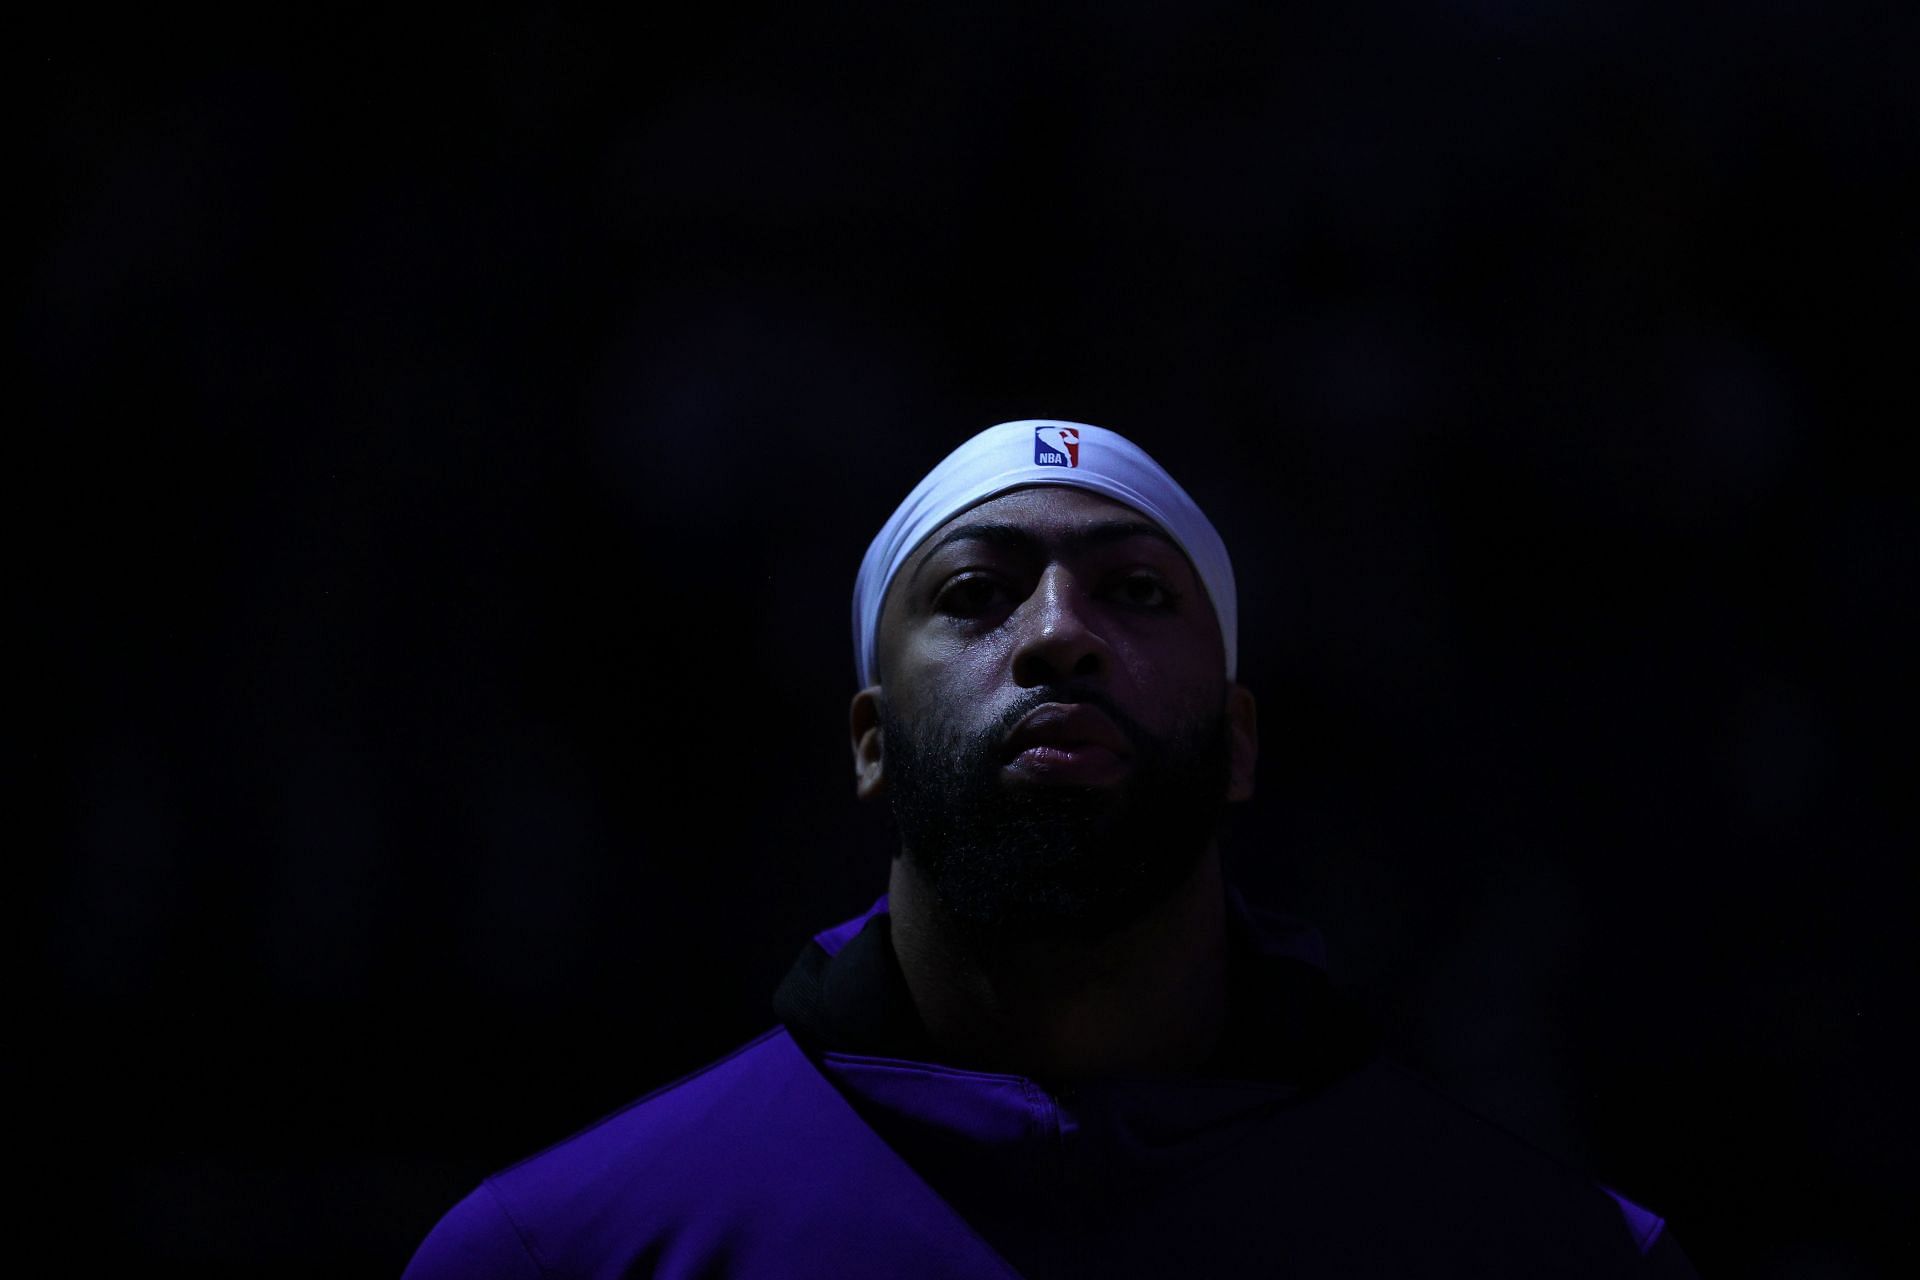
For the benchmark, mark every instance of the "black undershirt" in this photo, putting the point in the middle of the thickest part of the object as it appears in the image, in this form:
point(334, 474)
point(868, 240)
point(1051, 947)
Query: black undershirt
point(1285, 1020)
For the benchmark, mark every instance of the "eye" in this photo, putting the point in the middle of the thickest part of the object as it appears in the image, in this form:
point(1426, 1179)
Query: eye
point(1145, 590)
point(970, 596)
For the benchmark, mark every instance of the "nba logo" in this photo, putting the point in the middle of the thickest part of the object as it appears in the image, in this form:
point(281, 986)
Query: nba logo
point(1056, 447)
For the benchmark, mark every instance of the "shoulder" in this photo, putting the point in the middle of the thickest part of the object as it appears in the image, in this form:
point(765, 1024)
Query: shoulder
point(1464, 1177)
point(476, 1240)
point(614, 1187)
point(661, 1130)
point(752, 1166)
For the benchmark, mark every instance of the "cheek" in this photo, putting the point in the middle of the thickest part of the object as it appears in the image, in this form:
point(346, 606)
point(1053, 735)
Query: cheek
point(1193, 703)
point(947, 682)
point(958, 664)
point(1181, 661)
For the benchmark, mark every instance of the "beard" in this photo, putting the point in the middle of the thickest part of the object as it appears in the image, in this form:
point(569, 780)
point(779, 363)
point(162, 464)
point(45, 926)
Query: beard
point(1053, 861)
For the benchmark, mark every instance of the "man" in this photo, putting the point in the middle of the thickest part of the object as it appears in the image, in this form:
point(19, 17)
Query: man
point(1060, 1045)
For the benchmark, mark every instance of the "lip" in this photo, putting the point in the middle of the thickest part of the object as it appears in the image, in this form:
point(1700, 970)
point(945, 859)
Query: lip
point(1067, 725)
point(1068, 742)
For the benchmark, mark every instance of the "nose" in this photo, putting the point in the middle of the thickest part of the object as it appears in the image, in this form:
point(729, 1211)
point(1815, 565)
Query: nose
point(1057, 634)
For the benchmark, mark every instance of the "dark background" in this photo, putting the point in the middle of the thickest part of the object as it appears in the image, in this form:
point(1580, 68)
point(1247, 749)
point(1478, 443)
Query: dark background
point(450, 442)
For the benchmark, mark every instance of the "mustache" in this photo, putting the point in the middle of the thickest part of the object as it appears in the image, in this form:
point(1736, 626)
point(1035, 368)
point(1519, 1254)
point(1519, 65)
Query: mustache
point(1026, 703)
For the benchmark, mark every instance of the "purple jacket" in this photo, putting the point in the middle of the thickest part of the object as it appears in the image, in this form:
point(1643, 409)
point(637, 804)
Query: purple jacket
point(832, 1147)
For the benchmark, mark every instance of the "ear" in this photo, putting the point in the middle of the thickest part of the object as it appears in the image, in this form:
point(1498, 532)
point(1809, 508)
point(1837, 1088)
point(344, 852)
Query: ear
point(863, 721)
point(1243, 728)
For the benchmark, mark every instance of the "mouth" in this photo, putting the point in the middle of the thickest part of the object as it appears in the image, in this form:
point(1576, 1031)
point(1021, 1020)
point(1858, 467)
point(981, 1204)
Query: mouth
point(1068, 743)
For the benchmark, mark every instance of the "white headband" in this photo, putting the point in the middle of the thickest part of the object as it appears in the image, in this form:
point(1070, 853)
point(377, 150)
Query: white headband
point(1037, 451)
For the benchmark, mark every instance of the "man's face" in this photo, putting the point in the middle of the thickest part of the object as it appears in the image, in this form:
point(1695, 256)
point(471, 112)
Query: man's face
point(1055, 730)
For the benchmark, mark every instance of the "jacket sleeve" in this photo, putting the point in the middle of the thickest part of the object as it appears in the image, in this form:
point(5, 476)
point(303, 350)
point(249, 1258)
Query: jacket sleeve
point(1655, 1243)
point(475, 1241)
point(1666, 1262)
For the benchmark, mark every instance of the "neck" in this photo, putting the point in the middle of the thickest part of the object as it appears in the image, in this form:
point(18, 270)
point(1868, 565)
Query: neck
point(1149, 999)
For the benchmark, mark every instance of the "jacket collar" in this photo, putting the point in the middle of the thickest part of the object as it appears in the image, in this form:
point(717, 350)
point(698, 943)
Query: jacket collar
point(1289, 1031)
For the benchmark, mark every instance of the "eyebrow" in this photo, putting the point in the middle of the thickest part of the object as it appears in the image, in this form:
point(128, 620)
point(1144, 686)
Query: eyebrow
point(1009, 537)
